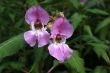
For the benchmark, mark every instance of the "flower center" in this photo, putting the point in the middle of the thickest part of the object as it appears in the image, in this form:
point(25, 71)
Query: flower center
point(38, 25)
point(58, 38)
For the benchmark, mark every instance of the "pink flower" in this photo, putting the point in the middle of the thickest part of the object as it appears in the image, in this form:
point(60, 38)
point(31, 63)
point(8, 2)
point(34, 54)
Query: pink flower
point(60, 31)
point(37, 18)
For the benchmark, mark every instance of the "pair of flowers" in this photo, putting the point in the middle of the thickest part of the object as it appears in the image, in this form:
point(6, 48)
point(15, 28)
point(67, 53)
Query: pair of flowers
point(61, 30)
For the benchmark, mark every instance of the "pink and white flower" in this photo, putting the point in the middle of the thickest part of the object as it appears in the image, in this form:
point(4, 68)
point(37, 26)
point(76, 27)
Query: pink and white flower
point(60, 31)
point(37, 18)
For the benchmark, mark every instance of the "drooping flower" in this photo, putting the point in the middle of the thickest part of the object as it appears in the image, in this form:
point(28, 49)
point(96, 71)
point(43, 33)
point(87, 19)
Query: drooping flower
point(37, 18)
point(60, 31)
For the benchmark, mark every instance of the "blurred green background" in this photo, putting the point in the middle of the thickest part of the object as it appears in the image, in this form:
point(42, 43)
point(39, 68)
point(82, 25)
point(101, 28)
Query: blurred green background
point(90, 41)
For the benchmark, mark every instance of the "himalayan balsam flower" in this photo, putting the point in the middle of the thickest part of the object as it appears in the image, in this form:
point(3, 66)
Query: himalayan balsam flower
point(60, 31)
point(37, 18)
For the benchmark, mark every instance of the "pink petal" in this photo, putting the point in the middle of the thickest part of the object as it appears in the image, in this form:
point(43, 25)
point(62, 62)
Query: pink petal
point(63, 27)
point(43, 38)
point(60, 51)
point(43, 15)
point(36, 13)
point(30, 38)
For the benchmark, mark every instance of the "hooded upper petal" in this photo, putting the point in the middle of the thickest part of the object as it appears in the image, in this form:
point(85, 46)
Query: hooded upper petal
point(60, 51)
point(30, 38)
point(36, 13)
point(63, 27)
point(43, 38)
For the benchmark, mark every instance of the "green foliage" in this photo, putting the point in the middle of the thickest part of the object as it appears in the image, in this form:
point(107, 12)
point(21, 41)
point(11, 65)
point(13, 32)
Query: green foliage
point(38, 60)
point(76, 63)
point(97, 11)
point(16, 65)
point(76, 19)
point(75, 3)
point(32, 2)
point(87, 30)
point(12, 46)
point(103, 24)
point(100, 49)
point(99, 69)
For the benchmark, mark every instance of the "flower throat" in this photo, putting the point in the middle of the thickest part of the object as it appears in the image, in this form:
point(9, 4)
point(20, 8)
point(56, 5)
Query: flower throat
point(58, 38)
point(38, 25)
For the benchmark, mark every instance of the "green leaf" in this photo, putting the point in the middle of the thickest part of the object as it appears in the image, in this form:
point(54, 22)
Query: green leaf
point(97, 11)
point(87, 30)
point(76, 18)
point(98, 46)
point(104, 33)
point(99, 69)
point(76, 63)
point(102, 53)
point(103, 24)
point(38, 60)
point(75, 3)
point(16, 65)
point(19, 23)
point(56, 63)
point(89, 39)
point(93, 3)
point(100, 49)
point(47, 2)
point(2, 8)
point(11, 65)
point(32, 2)
point(12, 46)
point(12, 17)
